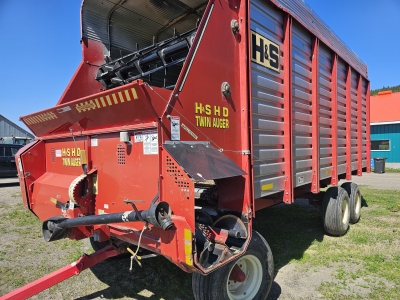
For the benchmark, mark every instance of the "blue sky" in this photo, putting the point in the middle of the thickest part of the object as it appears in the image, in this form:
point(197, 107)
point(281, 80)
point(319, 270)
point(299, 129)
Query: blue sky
point(40, 50)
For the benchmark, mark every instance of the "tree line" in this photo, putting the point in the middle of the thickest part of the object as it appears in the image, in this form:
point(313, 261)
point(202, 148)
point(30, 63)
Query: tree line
point(394, 89)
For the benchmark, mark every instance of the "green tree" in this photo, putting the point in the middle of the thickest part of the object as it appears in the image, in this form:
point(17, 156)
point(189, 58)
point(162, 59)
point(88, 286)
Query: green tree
point(394, 89)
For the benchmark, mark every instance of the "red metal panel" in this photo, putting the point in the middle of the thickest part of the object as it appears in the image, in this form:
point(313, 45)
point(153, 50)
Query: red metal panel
point(177, 189)
point(111, 129)
point(198, 96)
point(121, 106)
point(348, 124)
point(368, 141)
point(83, 82)
point(34, 166)
point(359, 127)
point(287, 65)
point(334, 178)
point(379, 106)
point(315, 120)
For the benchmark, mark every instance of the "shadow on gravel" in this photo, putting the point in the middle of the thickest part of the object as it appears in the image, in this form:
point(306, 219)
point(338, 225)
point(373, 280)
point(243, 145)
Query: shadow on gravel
point(157, 279)
point(289, 230)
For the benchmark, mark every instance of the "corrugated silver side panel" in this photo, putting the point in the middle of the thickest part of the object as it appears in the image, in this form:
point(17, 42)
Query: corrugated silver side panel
point(137, 21)
point(364, 121)
point(267, 106)
point(94, 19)
point(325, 110)
point(300, 11)
point(301, 97)
point(354, 121)
point(342, 118)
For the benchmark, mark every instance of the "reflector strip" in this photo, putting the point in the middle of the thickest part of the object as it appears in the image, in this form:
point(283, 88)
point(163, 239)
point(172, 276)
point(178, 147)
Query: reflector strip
point(187, 236)
point(127, 95)
point(86, 105)
point(134, 94)
point(266, 187)
point(109, 100)
point(40, 118)
point(115, 99)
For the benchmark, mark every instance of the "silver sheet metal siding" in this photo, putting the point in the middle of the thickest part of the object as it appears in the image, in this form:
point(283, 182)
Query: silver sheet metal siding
point(301, 97)
point(325, 110)
point(267, 103)
point(137, 21)
point(268, 108)
point(301, 12)
point(342, 117)
point(8, 128)
point(354, 122)
point(94, 19)
point(364, 121)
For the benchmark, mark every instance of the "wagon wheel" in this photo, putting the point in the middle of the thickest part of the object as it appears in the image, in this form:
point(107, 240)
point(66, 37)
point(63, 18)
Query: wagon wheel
point(354, 201)
point(248, 277)
point(336, 212)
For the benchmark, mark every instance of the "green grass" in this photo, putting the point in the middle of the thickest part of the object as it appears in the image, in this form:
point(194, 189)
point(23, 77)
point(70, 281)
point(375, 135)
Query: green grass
point(19, 217)
point(364, 264)
point(369, 251)
point(392, 170)
point(389, 170)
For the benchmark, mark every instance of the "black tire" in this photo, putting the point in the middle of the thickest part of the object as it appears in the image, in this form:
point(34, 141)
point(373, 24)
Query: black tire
point(98, 245)
point(215, 285)
point(336, 213)
point(354, 201)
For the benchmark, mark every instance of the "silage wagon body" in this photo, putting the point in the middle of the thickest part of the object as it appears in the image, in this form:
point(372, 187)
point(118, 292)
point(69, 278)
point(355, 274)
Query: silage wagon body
point(186, 117)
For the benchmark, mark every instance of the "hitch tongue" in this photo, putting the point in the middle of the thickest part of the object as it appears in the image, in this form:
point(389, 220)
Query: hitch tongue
point(159, 215)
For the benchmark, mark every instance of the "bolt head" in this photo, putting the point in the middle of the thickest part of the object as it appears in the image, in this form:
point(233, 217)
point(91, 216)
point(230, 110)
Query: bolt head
point(225, 88)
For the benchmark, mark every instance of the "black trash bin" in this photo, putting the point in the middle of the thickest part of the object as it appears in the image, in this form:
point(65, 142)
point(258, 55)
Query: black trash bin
point(379, 164)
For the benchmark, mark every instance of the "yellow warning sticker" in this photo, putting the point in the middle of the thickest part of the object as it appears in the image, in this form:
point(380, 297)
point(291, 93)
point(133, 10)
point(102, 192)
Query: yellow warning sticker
point(187, 236)
point(266, 187)
point(108, 100)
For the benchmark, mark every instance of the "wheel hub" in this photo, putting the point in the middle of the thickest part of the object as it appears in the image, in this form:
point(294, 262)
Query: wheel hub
point(251, 268)
point(237, 274)
point(345, 211)
point(358, 203)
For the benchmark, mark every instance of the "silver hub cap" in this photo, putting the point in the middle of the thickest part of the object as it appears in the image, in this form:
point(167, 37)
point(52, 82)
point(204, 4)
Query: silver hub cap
point(251, 266)
point(345, 211)
point(358, 204)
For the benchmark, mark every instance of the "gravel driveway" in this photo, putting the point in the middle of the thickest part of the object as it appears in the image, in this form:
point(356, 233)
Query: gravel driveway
point(384, 181)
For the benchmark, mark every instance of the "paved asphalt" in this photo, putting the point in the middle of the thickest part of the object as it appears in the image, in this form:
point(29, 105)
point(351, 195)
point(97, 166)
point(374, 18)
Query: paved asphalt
point(9, 181)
